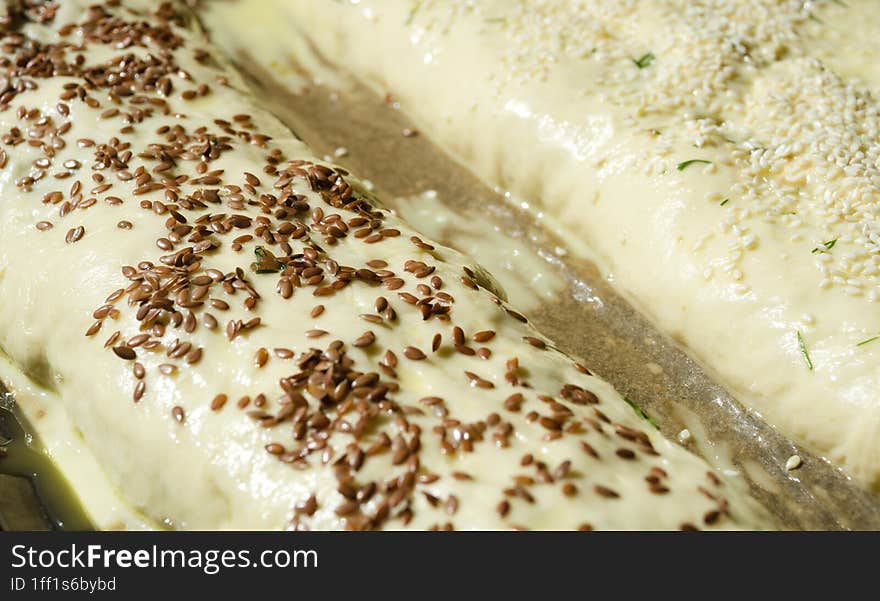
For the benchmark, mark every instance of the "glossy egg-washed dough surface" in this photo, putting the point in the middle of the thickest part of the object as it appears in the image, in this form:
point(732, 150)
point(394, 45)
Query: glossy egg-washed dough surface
point(176, 269)
point(721, 160)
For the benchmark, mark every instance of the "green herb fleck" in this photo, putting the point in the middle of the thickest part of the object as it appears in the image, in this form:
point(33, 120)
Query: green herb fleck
point(590, 52)
point(684, 165)
point(412, 12)
point(724, 202)
point(266, 261)
point(641, 413)
point(869, 340)
point(828, 246)
point(645, 60)
point(803, 346)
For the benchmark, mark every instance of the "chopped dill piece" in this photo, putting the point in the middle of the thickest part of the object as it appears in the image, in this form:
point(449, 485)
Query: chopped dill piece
point(828, 246)
point(644, 61)
point(685, 164)
point(803, 346)
point(641, 413)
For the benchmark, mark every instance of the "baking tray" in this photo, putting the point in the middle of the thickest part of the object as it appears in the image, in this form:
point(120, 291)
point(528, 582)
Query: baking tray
point(33, 494)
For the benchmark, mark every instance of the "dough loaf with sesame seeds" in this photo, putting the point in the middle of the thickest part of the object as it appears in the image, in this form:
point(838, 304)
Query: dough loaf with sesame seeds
point(720, 159)
point(236, 336)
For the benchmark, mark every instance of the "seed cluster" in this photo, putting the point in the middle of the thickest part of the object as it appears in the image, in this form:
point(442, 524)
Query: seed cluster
point(800, 142)
point(295, 227)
